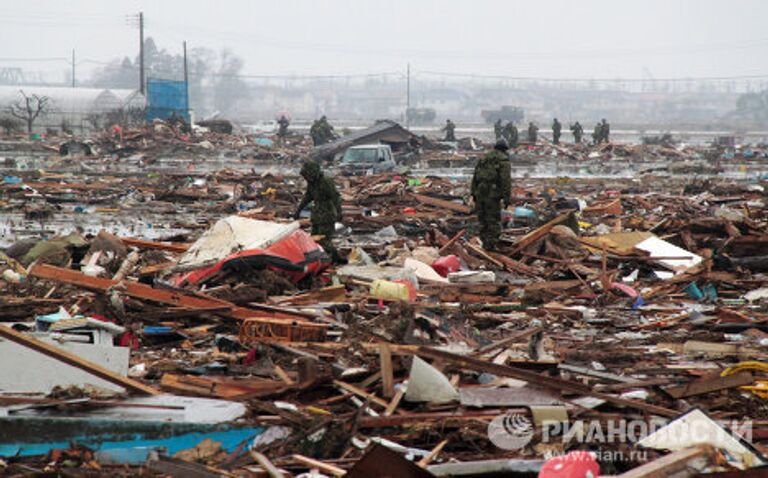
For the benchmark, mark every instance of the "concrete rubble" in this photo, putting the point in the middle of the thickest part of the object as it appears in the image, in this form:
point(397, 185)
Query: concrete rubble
point(163, 314)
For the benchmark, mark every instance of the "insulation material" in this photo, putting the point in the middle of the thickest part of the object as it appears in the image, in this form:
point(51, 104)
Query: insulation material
point(231, 235)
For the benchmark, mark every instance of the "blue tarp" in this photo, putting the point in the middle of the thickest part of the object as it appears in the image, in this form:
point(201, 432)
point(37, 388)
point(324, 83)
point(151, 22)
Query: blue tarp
point(166, 98)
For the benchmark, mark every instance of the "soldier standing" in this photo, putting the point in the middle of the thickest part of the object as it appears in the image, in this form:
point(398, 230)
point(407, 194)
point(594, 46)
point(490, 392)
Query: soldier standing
point(511, 134)
point(577, 131)
point(326, 208)
point(283, 123)
point(597, 134)
point(314, 132)
point(533, 131)
point(492, 185)
point(326, 131)
point(450, 130)
point(605, 131)
point(556, 130)
point(497, 129)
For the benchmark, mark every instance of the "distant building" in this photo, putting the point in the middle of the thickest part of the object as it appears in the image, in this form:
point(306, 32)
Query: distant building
point(72, 105)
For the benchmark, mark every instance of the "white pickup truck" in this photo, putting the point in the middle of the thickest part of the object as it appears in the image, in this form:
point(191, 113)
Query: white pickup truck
point(367, 159)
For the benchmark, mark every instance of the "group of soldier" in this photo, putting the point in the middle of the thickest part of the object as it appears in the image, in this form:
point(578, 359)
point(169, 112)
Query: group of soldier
point(322, 132)
point(601, 132)
point(510, 135)
point(508, 132)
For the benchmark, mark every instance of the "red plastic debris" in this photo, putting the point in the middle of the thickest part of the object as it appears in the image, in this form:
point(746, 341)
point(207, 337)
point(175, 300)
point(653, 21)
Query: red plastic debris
point(576, 464)
point(446, 265)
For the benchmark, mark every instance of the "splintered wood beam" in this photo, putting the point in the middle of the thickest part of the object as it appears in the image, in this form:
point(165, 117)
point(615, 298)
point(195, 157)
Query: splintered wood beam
point(711, 384)
point(552, 383)
point(538, 233)
point(670, 464)
point(442, 203)
point(161, 246)
point(279, 323)
point(387, 375)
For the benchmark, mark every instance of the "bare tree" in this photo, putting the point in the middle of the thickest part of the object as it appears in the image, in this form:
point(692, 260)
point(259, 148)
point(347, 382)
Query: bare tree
point(28, 108)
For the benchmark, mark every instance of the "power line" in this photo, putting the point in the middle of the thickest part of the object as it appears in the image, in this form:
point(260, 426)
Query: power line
point(567, 80)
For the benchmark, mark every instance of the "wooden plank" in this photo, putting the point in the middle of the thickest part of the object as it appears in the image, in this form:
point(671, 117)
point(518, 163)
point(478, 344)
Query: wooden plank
point(393, 404)
point(554, 285)
point(408, 419)
point(387, 376)
point(276, 319)
point(162, 246)
point(71, 359)
point(155, 268)
point(322, 466)
point(534, 378)
point(432, 454)
point(268, 466)
point(283, 375)
point(482, 253)
point(442, 203)
point(707, 385)
point(670, 464)
point(451, 242)
point(360, 392)
point(523, 334)
point(334, 293)
point(537, 234)
point(512, 265)
point(221, 387)
point(612, 377)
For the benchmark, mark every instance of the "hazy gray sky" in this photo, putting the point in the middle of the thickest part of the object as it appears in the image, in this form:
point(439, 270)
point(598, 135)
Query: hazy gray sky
point(544, 38)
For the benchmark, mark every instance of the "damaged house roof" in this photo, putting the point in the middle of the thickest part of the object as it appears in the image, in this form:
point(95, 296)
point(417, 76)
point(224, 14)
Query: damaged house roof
point(385, 132)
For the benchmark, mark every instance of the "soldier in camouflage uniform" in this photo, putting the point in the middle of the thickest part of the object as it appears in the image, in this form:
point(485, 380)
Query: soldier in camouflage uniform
point(450, 130)
point(314, 132)
point(533, 132)
point(326, 131)
point(326, 210)
point(492, 185)
point(511, 135)
point(557, 127)
point(577, 131)
point(597, 134)
point(605, 131)
point(283, 122)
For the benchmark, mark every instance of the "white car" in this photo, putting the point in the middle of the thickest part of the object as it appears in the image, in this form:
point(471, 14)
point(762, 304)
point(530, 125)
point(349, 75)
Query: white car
point(266, 126)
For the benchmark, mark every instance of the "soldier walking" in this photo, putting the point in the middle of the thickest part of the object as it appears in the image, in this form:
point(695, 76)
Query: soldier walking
point(492, 186)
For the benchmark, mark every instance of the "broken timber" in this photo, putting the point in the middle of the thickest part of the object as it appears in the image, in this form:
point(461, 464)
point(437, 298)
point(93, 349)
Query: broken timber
point(262, 325)
point(162, 246)
point(442, 204)
point(707, 385)
point(534, 378)
point(537, 234)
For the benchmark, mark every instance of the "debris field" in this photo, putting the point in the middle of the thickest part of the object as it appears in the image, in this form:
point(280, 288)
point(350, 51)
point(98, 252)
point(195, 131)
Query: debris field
point(164, 315)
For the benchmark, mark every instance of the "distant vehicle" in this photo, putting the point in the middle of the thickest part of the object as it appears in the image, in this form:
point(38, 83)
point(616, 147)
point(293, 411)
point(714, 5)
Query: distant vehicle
point(367, 159)
point(506, 113)
point(420, 116)
point(266, 126)
point(217, 125)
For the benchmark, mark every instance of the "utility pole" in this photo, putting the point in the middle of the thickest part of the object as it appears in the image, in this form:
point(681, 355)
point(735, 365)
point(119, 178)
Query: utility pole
point(407, 94)
point(73, 68)
point(141, 52)
point(186, 78)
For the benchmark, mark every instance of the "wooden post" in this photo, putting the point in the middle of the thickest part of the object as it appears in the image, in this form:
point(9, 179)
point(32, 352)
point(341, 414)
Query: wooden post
point(387, 376)
point(307, 369)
